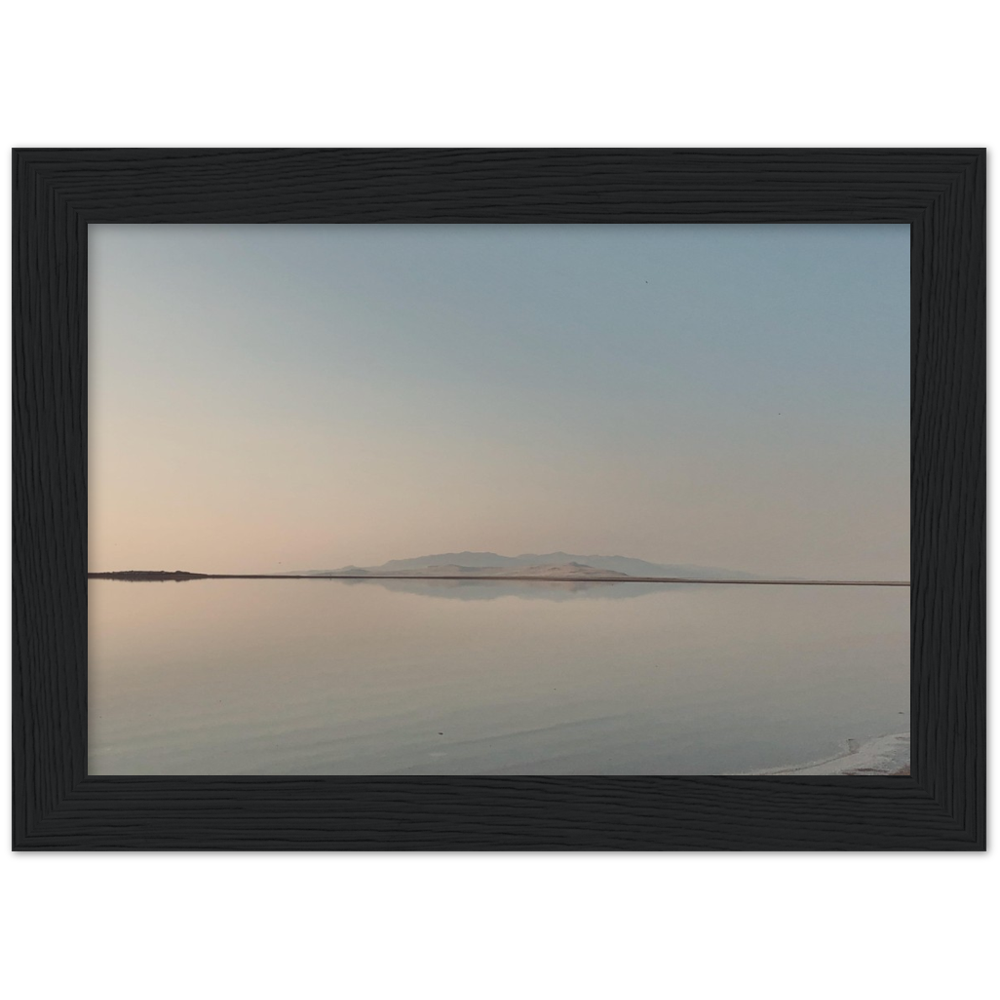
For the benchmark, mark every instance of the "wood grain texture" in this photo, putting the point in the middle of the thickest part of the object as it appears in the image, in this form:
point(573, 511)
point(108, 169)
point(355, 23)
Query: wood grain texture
point(939, 193)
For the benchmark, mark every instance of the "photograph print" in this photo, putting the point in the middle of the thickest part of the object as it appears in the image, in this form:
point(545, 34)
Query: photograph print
point(438, 499)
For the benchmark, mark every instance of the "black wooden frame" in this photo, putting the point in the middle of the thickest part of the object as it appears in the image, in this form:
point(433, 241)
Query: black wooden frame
point(939, 193)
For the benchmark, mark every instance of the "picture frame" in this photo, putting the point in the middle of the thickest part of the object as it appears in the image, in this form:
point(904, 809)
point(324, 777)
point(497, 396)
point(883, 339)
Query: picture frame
point(939, 193)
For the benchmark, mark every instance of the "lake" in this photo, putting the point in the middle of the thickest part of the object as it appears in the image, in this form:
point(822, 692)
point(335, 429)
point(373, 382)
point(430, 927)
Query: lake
point(312, 677)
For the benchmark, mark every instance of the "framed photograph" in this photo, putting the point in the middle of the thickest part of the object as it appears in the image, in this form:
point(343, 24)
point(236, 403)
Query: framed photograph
point(499, 499)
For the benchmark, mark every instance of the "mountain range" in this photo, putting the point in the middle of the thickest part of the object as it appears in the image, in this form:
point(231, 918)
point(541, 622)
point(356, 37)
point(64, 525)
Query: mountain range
point(534, 564)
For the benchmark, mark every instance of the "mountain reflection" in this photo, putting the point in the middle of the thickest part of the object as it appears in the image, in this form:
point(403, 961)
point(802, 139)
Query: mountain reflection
point(538, 590)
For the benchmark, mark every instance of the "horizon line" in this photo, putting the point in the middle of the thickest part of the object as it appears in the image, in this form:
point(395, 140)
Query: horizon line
point(152, 575)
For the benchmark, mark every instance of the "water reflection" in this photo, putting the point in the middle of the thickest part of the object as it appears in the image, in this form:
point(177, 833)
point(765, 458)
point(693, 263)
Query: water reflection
point(377, 677)
point(527, 590)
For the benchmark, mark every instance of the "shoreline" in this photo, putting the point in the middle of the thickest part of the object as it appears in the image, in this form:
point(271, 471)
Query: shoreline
point(883, 755)
point(138, 576)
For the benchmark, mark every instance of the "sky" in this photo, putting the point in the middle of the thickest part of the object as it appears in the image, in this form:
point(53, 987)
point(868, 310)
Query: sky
point(266, 398)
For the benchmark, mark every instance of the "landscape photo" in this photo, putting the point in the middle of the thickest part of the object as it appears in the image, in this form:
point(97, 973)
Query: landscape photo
point(499, 500)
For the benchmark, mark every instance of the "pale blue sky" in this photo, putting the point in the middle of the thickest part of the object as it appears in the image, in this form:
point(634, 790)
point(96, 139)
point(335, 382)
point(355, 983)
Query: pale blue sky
point(286, 397)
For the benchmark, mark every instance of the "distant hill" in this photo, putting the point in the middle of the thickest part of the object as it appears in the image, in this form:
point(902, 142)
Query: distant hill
point(572, 570)
point(541, 564)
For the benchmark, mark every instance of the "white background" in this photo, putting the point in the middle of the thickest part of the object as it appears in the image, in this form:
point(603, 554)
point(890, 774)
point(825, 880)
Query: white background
point(517, 68)
point(512, 73)
point(493, 932)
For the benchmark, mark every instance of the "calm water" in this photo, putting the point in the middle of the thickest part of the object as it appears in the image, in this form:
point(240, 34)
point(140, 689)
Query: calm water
point(331, 677)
